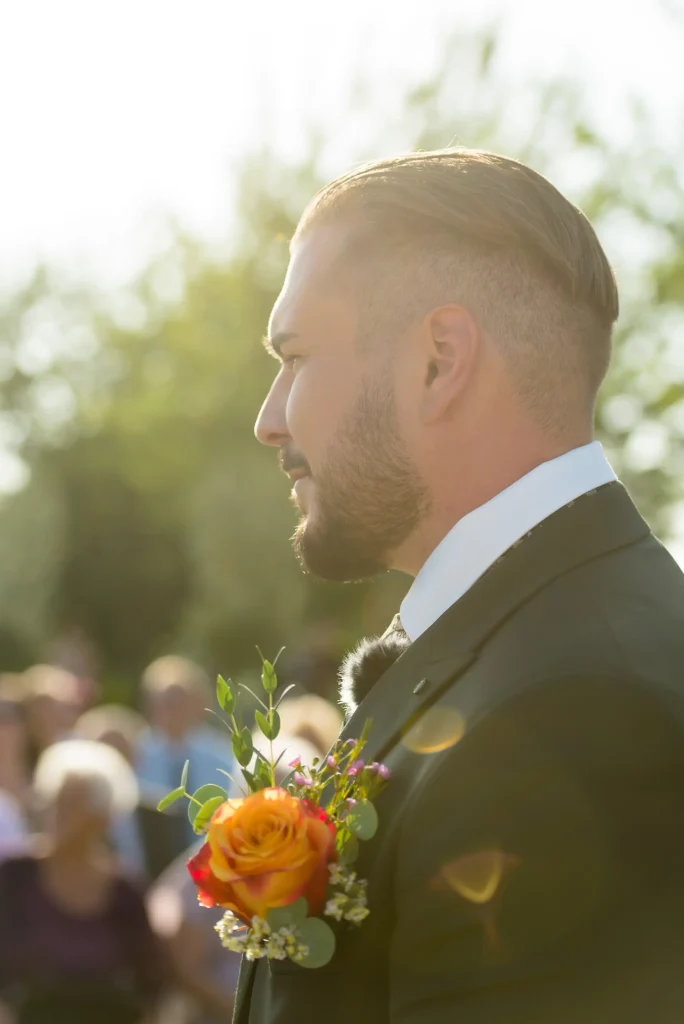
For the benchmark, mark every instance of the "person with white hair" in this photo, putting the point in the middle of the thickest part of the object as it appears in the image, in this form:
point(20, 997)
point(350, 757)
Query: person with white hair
point(75, 942)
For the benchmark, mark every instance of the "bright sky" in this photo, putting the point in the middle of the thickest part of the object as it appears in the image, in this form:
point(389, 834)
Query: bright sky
point(114, 113)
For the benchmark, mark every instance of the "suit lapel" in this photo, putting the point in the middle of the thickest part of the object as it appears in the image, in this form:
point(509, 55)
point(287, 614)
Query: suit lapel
point(593, 526)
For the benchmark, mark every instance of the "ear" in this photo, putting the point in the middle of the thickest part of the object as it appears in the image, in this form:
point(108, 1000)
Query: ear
point(451, 345)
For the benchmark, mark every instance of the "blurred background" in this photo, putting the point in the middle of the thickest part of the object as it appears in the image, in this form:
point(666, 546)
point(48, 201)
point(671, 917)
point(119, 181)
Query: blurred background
point(155, 159)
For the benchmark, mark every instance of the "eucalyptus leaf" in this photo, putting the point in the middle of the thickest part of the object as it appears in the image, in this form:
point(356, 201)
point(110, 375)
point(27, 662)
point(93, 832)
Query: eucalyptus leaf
point(205, 813)
point(315, 933)
point(269, 680)
point(362, 819)
point(275, 729)
point(225, 695)
point(184, 775)
point(286, 917)
point(263, 774)
point(171, 798)
point(247, 741)
point(243, 748)
point(236, 744)
point(349, 849)
point(201, 796)
point(262, 722)
point(243, 757)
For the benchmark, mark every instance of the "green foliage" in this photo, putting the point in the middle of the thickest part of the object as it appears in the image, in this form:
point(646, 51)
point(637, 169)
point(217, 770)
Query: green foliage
point(347, 845)
point(171, 798)
point(198, 811)
point(243, 748)
point(269, 680)
point(225, 695)
point(204, 814)
point(269, 725)
point(315, 933)
point(285, 917)
point(362, 819)
point(153, 518)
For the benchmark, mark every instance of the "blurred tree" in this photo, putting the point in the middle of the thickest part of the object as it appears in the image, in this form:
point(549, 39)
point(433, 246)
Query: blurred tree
point(170, 523)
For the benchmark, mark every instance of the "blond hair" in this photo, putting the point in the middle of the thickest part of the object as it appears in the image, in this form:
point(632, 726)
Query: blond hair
point(487, 232)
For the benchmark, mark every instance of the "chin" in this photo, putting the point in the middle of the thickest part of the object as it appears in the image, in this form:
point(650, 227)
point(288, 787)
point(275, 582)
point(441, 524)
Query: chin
point(333, 558)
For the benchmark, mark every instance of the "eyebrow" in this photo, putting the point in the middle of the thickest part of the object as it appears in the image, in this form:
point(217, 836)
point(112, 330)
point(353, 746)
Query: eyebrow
point(274, 345)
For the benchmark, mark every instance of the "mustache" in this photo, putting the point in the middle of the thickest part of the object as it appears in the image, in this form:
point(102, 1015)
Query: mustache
point(291, 461)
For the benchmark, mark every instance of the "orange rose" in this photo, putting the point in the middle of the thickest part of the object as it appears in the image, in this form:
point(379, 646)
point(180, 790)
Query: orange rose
point(265, 850)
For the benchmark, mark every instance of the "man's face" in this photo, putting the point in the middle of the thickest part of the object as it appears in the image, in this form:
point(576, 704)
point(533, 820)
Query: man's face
point(173, 712)
point(333, 413)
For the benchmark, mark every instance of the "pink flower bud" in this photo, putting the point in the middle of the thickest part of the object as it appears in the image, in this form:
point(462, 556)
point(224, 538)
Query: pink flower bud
point(297, 763)
point(301, 780)
point(331, 762)
point(355, 767)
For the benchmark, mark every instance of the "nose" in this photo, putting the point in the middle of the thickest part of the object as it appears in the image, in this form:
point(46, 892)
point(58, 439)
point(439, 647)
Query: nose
point(271, 425)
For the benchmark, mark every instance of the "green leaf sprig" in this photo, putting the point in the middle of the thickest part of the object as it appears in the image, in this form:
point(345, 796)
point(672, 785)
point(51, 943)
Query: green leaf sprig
point(262, 774)
point(350, 785)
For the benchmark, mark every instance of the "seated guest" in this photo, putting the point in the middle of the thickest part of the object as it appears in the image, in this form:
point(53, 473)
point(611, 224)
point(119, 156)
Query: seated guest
point(52, 703)
point(115, 724)
point(75, 943)
point(145, 841)
point(14, 776)
point(177, 693)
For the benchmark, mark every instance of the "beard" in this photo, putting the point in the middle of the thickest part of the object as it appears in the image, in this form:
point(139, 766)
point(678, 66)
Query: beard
point(369, 495)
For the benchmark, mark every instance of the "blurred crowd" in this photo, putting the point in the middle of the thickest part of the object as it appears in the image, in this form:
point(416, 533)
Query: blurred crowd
point(99, 919)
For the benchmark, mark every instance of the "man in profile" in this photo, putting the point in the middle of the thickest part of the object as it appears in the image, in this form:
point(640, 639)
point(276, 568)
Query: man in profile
point(441, 336)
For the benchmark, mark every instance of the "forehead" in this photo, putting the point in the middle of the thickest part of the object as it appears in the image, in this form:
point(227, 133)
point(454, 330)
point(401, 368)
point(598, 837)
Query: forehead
point(317, 285)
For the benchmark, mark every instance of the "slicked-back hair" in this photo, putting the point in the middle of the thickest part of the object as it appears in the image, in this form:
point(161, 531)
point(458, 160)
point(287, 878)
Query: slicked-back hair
point(486, 232)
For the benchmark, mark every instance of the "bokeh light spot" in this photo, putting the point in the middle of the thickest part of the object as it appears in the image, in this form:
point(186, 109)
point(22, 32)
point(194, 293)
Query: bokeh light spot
point(477, 876)
point(438, 729)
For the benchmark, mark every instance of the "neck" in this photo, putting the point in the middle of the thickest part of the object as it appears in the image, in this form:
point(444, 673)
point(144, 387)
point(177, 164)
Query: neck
point(482, 476)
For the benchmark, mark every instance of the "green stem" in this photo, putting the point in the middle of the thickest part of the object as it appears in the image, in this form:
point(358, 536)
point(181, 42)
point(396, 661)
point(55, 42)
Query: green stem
point(270, 742)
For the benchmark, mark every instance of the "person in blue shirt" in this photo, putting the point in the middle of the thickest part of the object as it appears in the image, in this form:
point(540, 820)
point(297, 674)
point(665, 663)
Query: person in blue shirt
point(176, 693)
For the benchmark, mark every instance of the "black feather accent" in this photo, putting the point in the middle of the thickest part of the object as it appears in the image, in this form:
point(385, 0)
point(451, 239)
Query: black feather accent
point(362, 668)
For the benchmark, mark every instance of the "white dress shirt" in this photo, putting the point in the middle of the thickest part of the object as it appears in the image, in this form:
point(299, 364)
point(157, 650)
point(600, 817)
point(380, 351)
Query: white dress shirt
point(486, 533)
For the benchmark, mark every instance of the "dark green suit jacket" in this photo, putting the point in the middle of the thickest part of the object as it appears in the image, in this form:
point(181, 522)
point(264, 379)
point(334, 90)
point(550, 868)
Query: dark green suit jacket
point(529, 865)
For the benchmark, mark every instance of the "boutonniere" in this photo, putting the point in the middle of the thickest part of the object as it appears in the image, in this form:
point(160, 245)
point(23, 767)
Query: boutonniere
point(279, 859)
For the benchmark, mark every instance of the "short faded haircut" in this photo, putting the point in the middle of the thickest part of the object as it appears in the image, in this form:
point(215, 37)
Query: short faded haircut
point(486, 232)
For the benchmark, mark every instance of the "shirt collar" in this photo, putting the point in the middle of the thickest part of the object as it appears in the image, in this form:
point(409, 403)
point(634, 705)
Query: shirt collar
point(485, 534)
